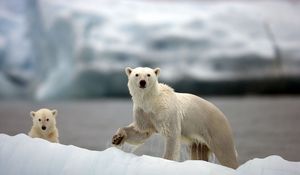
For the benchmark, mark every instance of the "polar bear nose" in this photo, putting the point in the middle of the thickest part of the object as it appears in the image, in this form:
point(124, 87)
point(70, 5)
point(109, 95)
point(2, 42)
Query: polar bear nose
point(43, 127)
point(142, 84)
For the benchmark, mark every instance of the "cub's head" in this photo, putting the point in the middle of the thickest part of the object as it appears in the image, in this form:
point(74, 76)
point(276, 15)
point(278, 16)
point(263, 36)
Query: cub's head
point(142, 79)
point(44, 119)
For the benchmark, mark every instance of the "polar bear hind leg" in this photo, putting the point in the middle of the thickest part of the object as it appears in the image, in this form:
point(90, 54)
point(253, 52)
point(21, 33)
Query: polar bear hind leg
point(226, 155)
point(199, 151)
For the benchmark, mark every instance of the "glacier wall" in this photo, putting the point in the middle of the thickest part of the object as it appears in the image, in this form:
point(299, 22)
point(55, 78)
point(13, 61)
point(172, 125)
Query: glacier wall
point(51, 49)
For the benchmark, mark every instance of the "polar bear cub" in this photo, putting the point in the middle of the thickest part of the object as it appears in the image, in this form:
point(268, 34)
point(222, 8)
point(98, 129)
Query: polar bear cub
point(44, 125)
point(179, 117)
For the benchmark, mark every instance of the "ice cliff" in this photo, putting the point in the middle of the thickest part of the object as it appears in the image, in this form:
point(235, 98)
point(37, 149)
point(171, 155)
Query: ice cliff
point(53, 49)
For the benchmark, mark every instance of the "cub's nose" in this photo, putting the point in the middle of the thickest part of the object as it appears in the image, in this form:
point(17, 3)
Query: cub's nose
point(43, 127)
point(142, 84)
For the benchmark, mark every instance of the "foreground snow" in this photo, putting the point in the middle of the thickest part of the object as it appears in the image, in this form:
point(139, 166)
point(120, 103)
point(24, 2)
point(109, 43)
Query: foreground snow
point(22, 155)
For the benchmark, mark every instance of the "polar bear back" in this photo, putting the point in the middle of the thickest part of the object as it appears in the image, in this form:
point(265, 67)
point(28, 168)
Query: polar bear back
point(200, 116)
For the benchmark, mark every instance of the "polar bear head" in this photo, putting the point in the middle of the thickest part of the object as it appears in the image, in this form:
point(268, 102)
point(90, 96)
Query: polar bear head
point(141, 79)
point(44, 119)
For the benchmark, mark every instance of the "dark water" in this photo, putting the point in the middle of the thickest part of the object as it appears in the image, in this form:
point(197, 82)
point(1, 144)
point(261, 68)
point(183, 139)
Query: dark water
point(262, 126)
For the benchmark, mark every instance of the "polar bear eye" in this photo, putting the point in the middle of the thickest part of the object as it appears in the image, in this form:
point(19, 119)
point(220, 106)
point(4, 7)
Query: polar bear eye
point(136, 75)
point(148, 75)
point(40, 120)
point(47, 120)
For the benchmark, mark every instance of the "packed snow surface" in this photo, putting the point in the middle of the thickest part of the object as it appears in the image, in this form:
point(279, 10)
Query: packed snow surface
point(21, 154)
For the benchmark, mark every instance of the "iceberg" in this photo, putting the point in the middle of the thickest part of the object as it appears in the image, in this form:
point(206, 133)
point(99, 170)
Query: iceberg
point(52, 49)
point(21, 154)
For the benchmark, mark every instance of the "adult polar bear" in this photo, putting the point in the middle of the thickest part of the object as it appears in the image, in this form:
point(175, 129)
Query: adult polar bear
point(179, 117)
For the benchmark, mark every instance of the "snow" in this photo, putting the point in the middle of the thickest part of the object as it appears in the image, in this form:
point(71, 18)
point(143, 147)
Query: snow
point(21, 154)
point(269, 166)
point(84, 43)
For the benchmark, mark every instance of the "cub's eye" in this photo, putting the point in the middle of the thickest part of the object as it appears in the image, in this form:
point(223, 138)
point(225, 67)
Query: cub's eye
point(148, 75)
point(136, 75)
point(40, 120)
point(47, 120)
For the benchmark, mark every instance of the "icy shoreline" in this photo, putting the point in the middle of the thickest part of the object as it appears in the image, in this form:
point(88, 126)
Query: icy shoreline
point(22, 155)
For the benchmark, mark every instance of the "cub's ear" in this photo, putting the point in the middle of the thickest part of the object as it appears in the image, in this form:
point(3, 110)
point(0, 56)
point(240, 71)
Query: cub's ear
point(128, 71)
point(157, 71)
point(54, 112)
point(32, 114)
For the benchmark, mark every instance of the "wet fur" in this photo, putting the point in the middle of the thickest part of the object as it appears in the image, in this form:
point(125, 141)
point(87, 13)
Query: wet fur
point(180, 118)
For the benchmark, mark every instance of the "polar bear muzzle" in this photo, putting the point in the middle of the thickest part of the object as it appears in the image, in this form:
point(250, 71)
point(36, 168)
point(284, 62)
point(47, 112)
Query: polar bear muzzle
point(143, 84)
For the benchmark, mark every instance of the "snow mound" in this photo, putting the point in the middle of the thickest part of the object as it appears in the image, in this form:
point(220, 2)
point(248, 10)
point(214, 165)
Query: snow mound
point(22, 155)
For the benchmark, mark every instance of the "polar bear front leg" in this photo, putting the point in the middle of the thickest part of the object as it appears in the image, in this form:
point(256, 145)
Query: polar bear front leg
point(172, 148)
point(172, 132)
point(130, 134)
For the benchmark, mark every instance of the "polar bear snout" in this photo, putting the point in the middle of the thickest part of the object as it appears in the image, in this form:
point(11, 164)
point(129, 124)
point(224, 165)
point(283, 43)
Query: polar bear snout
point(44, 127)
point(143, 84)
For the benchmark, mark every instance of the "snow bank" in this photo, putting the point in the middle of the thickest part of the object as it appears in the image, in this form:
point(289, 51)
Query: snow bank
point(22, 155)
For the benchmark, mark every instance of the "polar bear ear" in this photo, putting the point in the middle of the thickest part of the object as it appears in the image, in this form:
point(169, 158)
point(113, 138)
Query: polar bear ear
point(54, 112)
point(157, 71)
point(128, 71)
point(32, 114)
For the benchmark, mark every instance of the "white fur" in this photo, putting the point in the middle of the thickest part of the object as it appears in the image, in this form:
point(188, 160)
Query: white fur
point(180, 117)
point(44, 118)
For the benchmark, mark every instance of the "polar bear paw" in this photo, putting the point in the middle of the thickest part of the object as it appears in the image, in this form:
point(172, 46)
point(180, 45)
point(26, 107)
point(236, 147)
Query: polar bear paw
point(119, 137)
